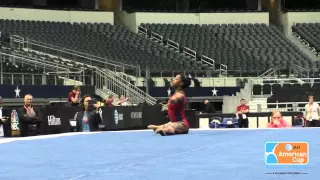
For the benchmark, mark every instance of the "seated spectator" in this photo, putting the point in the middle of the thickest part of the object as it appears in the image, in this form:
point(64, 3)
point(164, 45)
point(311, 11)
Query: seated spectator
point(110, 101)
point(28, 117)
point(277, 121)
point(88, 119)
point(123, 101)
point(74, 96)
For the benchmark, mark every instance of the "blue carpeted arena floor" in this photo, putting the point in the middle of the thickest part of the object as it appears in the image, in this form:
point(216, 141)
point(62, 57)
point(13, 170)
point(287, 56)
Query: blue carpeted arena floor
point(142, 155)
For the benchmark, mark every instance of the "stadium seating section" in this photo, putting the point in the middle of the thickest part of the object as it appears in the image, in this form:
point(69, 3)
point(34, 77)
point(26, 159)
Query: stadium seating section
point(310, 32)
point(104, 40)
point(12, 74)
point(246, 47)
point(197, 11)
point(287, 92)
point(303, 10)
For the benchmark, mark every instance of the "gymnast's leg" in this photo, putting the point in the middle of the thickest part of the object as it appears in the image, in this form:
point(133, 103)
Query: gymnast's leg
point(154, 127)
point(173, 128)
point(165, 130)
point(181, 128)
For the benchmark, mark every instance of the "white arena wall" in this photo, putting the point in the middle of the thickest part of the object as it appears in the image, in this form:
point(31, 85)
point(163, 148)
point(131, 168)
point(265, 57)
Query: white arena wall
point(133, 20)
point(57, 15)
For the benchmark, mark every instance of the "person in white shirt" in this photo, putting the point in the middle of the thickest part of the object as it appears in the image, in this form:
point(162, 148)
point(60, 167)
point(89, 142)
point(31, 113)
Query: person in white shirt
point(312, 112)
point(123, 101)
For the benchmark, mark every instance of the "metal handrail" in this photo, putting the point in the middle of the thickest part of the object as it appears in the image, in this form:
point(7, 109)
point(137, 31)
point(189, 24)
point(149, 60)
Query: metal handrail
point(132, 87)
point(118, 81)
point(65, 50)
point(44, 61)
point(16, 54)
point(262, 75)
point(302, 69)
point(186, 50)
point(143, 30)
point(190, 52)
point(74, 53)
point(270, 71)
point(223, 69)
point(25, 60)
point(156, 36)
point(306, 43)
point(62, 72)
point(206, 59)
point(126, 85)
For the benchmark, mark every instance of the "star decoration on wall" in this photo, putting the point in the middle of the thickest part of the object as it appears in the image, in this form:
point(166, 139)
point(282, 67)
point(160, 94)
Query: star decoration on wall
point(214, 92)
point(17, 91)
point(169, 92)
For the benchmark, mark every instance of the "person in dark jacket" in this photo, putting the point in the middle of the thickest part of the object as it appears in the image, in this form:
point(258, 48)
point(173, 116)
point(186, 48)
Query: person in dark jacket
point(88, 119)
point(209, 107)
point(28, 117)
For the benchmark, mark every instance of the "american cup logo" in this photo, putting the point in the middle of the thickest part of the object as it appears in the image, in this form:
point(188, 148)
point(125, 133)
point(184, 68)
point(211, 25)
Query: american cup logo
point(286, 153)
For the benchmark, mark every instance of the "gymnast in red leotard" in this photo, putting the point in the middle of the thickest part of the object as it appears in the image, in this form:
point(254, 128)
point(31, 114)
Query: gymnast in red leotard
point(176, 105)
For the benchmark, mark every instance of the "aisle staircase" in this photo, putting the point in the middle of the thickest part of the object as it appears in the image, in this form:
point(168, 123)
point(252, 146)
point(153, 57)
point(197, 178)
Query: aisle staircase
point(258, 104)
point(105, 80)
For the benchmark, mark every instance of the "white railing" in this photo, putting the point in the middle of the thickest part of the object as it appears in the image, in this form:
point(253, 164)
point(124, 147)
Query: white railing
point(157, 37)
point(288, 106)
point(208, 60)
point(118, 85)
point(270, 72)
point(283, 80)
point(170, 43)
point(223, 70)
point(173, 45)
point(305, 73)
point(190, 52)
point(63, 52)
point(34, 63)
point(142, 30)
point(306, 43)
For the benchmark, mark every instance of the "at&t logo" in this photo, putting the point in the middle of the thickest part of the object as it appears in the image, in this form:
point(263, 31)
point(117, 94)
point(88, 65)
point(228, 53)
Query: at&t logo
point(116, 117)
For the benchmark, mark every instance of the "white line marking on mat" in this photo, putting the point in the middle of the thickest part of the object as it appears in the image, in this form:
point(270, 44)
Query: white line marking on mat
point(214, 129)
point(143, 162)
point(12, 139)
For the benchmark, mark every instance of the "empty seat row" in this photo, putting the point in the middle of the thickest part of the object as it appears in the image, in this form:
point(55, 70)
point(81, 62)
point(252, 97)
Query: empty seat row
point(284, 93)
point(104, 40)
point(244, 47)
point(310, 32)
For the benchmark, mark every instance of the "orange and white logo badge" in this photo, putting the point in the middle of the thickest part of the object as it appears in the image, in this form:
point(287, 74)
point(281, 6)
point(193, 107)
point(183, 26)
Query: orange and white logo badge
point(286, 153)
